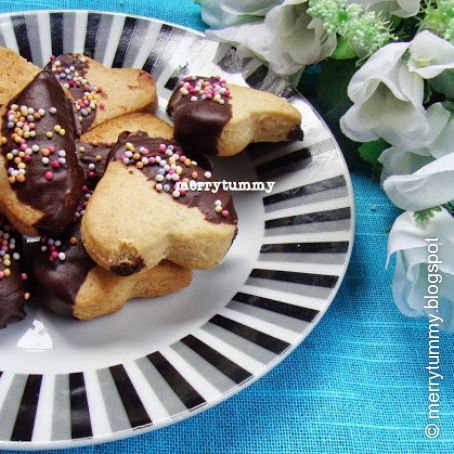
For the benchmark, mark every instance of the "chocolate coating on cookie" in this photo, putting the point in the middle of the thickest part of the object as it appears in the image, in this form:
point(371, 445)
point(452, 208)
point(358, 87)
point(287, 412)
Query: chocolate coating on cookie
point(296, 133)
point(13, 281)
point(38, 134)
point(70, 70)
point(62, 264)
point(200, 109)
point(93, 160)
point(61, 267)
point(164, 163)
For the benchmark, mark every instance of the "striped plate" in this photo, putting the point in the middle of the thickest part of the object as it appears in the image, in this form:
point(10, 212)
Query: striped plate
point(66, 383)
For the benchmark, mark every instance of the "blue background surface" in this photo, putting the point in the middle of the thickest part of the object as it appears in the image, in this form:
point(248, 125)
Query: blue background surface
point(357, 384)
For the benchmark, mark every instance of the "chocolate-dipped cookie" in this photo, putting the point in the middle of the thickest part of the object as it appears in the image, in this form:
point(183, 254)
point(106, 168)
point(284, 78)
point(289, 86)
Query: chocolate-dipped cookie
point(40, 178)
point(100, 93)
point(72, 285)
point(157, 212)
point(214, 117)
point(110, 130)
point(13, 278)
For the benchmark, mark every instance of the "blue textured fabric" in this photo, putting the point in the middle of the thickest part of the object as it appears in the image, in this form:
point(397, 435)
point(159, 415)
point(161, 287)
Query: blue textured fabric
point(358, 384)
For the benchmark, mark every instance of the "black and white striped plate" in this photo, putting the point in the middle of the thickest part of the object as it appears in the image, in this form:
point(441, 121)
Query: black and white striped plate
point(66, 383)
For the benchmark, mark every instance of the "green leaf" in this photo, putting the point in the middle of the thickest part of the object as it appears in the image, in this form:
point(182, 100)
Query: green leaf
point(334, 77)
point(344, 50)
point(371, 151)
point(449, 106)
point(395, 21)
point(450, 207)
point(427, 92)
point(332, 102)
point(444, 83)
point(422, 217)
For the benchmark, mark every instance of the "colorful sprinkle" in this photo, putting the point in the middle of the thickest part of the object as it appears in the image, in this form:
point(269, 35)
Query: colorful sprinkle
point(23, 122)
point(170, 172)
point(212, 89)
point(71, 77)
point(8, 252)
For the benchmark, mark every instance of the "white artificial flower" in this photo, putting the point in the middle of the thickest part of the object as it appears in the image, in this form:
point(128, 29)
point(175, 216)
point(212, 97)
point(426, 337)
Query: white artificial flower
point(388, 8)
point(387, 99)
point(388, 92)
point(397, 161)
point(224, 13)
point(416, 268)
point(430, 186)
point(430, 55)
point(288, 39)
point(438, 142)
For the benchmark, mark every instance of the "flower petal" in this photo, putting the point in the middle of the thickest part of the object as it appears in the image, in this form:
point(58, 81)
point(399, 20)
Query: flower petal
point(411, 277)
point(398, 162)
point(288, 39)
point(388, 8)
point(428, 187)
point(406, 276)
point(383, 115)
point(358, 125)
point(430, 55)
point(444, 142)
point(407, 8)
point(224, 13)
point(378, 68)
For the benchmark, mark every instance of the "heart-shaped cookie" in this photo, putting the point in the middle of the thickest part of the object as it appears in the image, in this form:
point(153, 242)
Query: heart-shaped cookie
point(139, 214)
point(110, 130)
point(72, 285)
point(102, 93)
point(40, 178)
point(214, 117)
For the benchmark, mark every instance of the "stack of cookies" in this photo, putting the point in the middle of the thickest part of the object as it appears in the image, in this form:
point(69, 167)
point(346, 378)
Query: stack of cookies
point(100, 185)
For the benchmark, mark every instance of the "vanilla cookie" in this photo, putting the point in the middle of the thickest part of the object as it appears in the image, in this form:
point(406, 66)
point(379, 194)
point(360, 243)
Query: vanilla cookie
point(40, 178)
point(16, 73)
point(110, 130)
point(72, 285)
point(13, 279)
point(140, 213)
point(101, 93)
point(213, 117)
